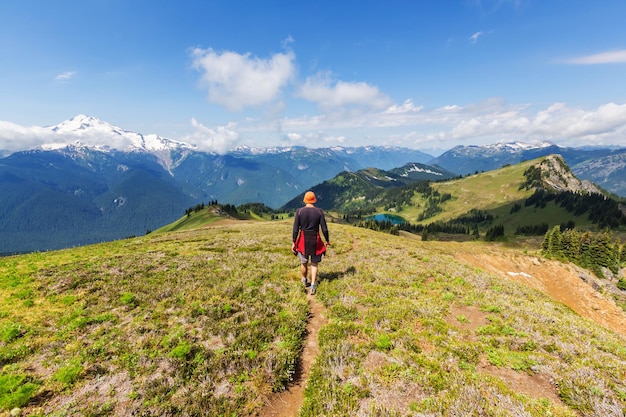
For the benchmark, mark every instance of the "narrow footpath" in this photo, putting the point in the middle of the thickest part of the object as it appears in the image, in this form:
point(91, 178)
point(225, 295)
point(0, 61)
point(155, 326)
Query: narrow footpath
point(288, 402)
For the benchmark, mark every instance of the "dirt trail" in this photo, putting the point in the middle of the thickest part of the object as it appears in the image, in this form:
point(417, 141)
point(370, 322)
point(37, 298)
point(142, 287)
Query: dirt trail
point(560, 281)
point(288, 402)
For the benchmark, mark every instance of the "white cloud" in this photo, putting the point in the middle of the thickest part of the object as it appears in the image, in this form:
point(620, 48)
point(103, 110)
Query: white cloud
point(489, 121)
point(583, 126)
point(475, 36)
point(335, 139)
point(609, 57)
point(406, 107)
point(332, 95)
point(219, 140)
point(14, 137)
point(65, 76)
point(570, 126)
point(237, 80)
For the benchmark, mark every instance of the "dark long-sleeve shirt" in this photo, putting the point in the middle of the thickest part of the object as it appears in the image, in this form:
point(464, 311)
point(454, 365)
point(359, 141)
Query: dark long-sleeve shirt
point(309, 219)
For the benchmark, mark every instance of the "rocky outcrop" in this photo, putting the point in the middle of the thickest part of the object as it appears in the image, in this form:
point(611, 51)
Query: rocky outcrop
point(557, 175)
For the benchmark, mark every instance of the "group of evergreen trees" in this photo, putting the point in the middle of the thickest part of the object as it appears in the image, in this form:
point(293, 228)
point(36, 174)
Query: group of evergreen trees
point(532, 229)
point(231, 209)
point(380, 226)
point(494, 233)
point(433, 205)
point(605, 212)
point(586, 249)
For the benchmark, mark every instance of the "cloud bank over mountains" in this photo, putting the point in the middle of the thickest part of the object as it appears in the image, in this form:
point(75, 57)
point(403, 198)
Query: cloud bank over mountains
point(411, 126)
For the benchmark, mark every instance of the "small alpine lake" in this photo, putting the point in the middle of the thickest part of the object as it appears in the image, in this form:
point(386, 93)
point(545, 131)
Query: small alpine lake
point(386, 217)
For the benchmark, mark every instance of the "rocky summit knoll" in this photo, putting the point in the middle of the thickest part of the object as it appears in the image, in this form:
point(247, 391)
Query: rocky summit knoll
point(556, 175)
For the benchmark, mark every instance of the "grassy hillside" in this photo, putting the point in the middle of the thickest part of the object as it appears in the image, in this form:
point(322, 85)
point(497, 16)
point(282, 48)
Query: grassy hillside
point(210, 321)
point(488, 191)
point(496, 193)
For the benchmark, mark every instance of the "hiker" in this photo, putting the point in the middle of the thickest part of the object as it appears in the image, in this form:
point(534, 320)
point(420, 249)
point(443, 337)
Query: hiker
point(306, 241)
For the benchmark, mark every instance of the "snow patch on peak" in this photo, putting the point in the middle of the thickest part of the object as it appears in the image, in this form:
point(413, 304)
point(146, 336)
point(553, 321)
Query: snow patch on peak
point(500, 147)
point(154, 142)
point(87, 125)
point(93, 132)
point(520, 146)
point(417, 168)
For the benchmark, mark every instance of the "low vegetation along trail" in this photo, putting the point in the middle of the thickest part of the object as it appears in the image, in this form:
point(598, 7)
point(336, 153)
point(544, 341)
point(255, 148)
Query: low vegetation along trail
point(288, 402)
point(560, 281)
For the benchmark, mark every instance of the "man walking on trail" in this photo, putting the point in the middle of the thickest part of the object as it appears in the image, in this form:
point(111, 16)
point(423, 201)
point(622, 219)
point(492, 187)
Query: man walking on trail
point(306, 240)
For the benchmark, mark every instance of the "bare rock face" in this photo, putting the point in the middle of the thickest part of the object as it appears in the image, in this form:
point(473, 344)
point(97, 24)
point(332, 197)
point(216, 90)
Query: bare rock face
point(558, 176)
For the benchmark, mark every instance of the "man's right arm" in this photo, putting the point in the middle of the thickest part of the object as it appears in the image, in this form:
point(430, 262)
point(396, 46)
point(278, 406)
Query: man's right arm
point(296, 226)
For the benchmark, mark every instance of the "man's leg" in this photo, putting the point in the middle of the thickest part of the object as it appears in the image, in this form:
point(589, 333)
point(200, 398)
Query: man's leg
point(303, 272)
point(313, 276)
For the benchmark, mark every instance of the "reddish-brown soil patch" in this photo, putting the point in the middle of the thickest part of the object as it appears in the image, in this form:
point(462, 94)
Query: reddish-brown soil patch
point(532, 385)
point(467, 317)
point(558, 280)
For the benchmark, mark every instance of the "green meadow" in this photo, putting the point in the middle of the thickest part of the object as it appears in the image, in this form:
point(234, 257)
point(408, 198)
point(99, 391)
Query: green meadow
point(210, 320)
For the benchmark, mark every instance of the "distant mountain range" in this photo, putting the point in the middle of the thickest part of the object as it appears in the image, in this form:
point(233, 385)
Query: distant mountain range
point(62, 194)
point(65, 194)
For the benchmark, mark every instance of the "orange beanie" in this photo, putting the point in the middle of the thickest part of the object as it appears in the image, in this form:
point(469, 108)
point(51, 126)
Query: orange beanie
point(309, 197)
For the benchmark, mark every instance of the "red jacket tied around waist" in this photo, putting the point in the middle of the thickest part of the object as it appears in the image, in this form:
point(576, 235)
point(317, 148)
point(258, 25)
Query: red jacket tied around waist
point(306, 231)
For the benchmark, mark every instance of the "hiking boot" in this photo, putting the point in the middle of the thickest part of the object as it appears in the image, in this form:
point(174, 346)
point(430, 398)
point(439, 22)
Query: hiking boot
point(312, 289)
point(305, 283)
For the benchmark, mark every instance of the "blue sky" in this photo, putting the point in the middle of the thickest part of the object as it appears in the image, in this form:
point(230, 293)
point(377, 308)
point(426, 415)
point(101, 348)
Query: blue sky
point(424, 74)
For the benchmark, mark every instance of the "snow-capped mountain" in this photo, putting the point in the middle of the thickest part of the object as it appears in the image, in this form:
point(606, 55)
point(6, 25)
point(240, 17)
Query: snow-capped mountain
point(383, 157)
point(90, 132)
point(93, 181)
point(511, 148)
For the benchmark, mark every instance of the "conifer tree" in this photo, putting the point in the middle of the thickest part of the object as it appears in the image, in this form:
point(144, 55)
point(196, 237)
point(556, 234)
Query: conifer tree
point(552, 243)
point(607, 253)
point(586, 250)
point(570, 245)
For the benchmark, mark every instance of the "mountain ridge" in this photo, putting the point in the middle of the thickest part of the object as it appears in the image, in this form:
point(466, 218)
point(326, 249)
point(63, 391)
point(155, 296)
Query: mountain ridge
point(84, 181)
point(604, 165)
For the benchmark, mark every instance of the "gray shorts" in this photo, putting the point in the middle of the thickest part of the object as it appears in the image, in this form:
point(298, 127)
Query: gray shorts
point(315, 259)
